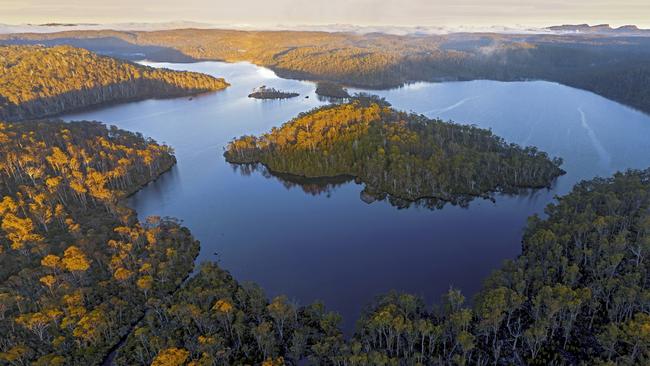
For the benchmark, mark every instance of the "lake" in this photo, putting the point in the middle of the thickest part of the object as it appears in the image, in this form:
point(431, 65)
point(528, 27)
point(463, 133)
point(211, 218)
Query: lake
point(326, 244)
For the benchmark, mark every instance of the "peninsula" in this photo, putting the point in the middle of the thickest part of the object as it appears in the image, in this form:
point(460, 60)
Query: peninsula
point(37, 81)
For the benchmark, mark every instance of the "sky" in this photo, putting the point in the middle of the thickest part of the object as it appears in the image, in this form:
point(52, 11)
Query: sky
point(534, 13)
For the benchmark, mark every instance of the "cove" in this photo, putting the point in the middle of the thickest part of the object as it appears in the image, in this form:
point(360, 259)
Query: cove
point(320, 241)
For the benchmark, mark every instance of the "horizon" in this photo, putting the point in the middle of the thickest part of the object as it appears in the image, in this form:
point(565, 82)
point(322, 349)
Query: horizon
point(55, 26)
point(362, 13)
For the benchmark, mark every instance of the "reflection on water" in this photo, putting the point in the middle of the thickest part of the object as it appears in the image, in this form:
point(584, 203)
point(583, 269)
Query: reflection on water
point(325, 186)
point(332, 100)
point(330, 245)
point(313, 186)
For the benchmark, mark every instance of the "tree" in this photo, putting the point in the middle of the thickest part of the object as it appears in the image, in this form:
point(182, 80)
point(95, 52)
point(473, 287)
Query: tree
point(53, 262)
point(171, 357)
point(145, 283)
point(281, 312)
point(74, 260)
point(122, 274)
point(49, 281)
point(92, 326)
point(36, 323)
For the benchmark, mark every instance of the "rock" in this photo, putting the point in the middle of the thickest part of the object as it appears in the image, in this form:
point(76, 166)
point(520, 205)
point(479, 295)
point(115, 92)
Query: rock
point(367, 197)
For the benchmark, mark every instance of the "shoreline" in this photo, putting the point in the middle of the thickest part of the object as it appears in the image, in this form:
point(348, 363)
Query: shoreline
point(112, 103)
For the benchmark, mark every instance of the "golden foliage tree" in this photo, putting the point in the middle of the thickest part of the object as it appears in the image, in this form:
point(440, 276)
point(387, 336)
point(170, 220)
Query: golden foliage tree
point(171, 357)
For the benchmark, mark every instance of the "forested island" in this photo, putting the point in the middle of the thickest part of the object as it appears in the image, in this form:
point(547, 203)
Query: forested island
point(615, 66)
point(331, 90)
point(78, 269)
point(38, 81)
point(408, 157)
point(264, 92)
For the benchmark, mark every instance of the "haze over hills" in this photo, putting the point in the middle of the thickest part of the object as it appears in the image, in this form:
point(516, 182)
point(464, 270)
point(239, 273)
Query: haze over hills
point(599, 29)
point(57, 27)
point(335, 27)
point(616, 67)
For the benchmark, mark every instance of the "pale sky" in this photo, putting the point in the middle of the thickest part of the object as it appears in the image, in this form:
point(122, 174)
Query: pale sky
point(358, 12)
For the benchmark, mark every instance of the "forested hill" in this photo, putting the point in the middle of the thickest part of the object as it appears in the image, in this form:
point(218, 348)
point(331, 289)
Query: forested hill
point(77, 268)
point(406, 156)
point(615, 67)
point(37, 81)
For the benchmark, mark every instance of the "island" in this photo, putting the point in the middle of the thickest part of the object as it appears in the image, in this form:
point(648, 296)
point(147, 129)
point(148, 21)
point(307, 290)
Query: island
point(406, 157)
point(264, 92)
point(330, 89)
point(37, 81)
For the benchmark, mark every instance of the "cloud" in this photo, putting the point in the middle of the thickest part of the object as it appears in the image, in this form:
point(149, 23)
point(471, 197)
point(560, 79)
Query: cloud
point(395, 12)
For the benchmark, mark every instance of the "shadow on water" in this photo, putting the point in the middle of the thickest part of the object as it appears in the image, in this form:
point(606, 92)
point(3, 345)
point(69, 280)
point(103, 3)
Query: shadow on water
point(325, 186)
point(312, 186)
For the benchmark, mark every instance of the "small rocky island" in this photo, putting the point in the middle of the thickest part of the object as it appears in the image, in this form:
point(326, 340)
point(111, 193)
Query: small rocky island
point(400, 156)
point(264, 92)
point(330, 89)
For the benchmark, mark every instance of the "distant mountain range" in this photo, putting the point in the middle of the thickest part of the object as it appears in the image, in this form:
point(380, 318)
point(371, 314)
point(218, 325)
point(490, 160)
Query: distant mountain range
point(58, 27)
point(604, 29)
point(599, 29)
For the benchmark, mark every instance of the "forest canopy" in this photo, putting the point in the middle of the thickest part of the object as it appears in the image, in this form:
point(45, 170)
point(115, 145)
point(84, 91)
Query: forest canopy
point(77, 267)
point(406, 156)
point(37, 81)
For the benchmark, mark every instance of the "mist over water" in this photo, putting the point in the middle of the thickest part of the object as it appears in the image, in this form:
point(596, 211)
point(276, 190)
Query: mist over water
point(329, 245)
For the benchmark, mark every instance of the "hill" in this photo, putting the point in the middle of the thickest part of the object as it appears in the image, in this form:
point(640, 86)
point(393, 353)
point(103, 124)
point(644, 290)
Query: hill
point(38, 81)
point(78, 268)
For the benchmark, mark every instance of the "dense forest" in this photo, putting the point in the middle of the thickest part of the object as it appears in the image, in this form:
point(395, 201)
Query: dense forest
point(214, 320)
point(614, 66)
point(77, 267)
point(406, 156)
point(578, 294)
point(37, 81)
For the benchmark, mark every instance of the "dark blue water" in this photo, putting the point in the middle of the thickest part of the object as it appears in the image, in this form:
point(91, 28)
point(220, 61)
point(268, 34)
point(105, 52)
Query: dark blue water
point(334, 247)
